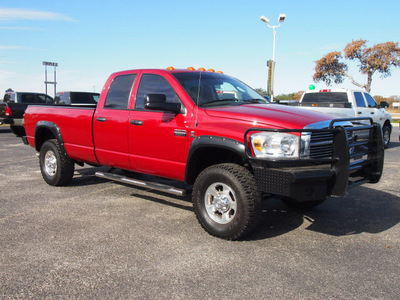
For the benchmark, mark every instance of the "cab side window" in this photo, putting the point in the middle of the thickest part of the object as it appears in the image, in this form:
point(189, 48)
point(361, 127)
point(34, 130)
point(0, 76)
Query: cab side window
point(371, 101)
point(154, 84)
point(359, 99)
point(119, 91)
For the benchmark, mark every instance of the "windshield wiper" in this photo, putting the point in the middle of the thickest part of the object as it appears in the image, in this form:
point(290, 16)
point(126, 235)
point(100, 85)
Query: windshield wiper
point(255, 101)
point(220, 101)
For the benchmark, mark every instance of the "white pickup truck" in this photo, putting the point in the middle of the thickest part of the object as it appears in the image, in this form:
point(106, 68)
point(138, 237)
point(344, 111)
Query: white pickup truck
point(347, 103)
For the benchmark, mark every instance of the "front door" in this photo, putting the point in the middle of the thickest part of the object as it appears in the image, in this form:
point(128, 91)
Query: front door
point(158, 140)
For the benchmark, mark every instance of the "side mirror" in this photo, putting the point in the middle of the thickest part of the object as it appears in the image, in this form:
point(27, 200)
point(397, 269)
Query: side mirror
point(159, 102)
point(384, 104)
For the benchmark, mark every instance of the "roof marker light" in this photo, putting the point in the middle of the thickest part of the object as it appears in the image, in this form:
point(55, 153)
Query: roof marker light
point(211, 70)
point(220, 72)
point(202, 69)
point(191, 69)
point(170, 68)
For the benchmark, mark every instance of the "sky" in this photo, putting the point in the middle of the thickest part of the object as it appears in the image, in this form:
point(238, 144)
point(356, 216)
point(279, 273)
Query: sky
point(92, 39)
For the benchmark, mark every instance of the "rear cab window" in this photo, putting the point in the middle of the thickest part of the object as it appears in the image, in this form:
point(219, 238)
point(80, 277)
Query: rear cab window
point(119, 92)
point(325, 97)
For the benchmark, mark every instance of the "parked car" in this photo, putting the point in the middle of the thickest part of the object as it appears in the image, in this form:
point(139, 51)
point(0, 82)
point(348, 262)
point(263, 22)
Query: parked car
point(76, 98)
point(348, 103)
point(14, 104)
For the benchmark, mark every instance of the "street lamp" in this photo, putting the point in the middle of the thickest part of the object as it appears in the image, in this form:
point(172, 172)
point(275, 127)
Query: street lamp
point(271, 64)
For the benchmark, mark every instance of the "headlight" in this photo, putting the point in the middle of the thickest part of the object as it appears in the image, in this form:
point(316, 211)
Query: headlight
point(276, 145)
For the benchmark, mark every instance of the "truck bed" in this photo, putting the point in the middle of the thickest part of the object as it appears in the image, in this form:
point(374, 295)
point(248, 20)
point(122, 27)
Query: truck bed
point(74, 124)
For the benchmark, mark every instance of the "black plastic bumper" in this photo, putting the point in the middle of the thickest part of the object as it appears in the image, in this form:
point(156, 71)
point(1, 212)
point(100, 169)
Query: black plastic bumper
point(353, 162)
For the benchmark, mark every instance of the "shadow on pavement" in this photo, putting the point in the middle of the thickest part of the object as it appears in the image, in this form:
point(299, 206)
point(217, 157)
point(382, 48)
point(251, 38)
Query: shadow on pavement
point(361, 210)
point(5, 129)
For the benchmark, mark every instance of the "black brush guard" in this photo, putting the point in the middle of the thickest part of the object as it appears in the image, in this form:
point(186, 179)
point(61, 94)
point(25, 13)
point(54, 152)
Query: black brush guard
point(354, 161)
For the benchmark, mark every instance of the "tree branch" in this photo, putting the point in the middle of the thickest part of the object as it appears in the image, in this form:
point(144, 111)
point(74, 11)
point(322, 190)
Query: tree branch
point(363, 86)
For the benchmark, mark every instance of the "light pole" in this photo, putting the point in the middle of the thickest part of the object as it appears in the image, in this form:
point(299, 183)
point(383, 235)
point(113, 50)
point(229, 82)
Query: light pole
point(271, 64)
point(54, 64)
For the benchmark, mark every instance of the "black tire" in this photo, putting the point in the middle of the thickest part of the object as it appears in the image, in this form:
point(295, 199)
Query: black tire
point(56, 167)
point(301, 205)
point(18, 130)
point(386, 135)
point(234, 210)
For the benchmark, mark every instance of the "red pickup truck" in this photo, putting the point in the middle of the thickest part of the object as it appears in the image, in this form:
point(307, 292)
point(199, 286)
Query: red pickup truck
point(214, 133)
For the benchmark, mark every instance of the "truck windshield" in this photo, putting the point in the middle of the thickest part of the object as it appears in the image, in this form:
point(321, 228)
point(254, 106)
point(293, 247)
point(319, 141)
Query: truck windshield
point(328, 97)
point(217, 89)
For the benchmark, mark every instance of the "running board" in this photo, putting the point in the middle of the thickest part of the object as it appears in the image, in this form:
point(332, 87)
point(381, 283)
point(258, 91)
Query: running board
point(151, 185)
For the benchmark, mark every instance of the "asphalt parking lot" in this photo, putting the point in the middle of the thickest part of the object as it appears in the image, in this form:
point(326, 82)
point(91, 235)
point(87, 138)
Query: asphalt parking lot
point(100, 240)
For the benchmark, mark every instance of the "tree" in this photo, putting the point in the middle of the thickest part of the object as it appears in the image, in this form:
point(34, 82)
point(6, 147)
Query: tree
point(297, 96)
point(261, 91)
point(379, 58)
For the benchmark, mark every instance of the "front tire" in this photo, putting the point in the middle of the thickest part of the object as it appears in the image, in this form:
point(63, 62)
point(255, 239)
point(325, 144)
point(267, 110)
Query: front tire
point(56, 167)
point(226, 201)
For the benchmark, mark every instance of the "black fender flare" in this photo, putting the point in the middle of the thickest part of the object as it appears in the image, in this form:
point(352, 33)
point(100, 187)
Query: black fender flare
point(53, 128)
point(208, 141)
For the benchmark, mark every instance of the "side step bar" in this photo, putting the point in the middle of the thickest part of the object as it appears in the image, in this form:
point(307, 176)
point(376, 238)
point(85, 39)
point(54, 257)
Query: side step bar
point(151, 185)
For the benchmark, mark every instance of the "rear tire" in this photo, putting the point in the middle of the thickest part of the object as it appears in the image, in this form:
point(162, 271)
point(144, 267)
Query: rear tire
point(56, 167)
point(226, 201)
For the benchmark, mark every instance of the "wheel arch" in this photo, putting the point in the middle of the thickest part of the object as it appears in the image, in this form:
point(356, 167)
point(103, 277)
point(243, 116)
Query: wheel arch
point(206, 151)
point(387, 123)
point(46, 130)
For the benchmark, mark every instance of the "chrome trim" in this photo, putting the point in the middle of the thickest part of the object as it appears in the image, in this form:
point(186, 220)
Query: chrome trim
point(325, 124)
point(151, 185)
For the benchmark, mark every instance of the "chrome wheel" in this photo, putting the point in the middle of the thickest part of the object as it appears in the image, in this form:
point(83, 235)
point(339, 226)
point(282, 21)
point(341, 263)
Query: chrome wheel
point(386, 136)
point(50, 163)
point(220, 203)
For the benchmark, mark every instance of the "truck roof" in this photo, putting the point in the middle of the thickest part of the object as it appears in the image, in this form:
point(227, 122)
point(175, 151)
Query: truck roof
point(336, 90)
point(171, 70)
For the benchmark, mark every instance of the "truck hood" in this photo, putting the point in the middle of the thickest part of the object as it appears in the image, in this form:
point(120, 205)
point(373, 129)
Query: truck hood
point(269, 115)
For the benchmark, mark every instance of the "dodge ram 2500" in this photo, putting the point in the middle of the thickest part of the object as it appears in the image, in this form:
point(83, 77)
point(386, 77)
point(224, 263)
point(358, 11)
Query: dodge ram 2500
point(229, 145)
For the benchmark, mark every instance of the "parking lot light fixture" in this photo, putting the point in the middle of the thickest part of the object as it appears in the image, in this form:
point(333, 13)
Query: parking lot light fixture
point(281, 19)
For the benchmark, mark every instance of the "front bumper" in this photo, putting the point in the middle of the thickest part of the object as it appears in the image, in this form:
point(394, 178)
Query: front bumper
point(352, 163)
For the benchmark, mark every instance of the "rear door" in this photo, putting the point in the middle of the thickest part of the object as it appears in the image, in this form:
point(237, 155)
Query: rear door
point(110, 123)
point(361, 105)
